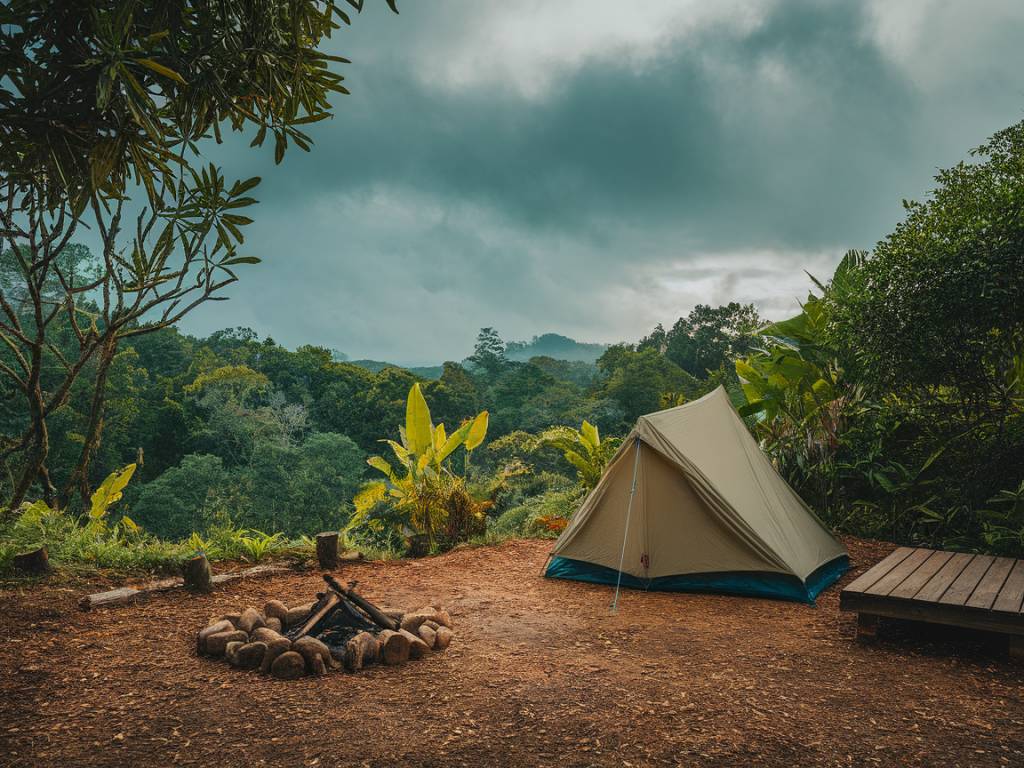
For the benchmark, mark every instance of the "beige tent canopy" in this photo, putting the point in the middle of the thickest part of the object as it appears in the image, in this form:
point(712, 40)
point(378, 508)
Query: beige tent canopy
point(690, 502)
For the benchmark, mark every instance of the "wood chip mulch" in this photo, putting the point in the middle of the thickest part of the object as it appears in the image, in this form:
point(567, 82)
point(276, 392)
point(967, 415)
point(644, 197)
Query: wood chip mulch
point(539, 674)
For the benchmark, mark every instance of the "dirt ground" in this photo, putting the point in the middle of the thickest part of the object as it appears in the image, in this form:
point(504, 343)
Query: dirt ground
point(539, 673)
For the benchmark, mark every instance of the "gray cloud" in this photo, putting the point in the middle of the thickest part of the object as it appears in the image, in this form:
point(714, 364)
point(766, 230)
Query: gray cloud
point(594, 182)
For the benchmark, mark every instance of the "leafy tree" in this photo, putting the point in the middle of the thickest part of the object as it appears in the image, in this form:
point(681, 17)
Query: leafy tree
point(638, 379)
point(489, 352)
point(177, 502)
point(707, 337)
point(101, 97)
point(939, 304)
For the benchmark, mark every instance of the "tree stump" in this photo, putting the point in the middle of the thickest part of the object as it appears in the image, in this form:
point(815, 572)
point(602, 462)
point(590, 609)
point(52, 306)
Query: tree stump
point(34, 563)
point(197, 573)
point(327, 550)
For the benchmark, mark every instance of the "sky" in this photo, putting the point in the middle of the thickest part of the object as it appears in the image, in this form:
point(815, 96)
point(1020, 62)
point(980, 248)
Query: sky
point(593, 167)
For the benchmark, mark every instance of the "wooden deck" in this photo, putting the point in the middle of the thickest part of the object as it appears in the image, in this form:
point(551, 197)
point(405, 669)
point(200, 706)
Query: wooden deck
point(959, 589)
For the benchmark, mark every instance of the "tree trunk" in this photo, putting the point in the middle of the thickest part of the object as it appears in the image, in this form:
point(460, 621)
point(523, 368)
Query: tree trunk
point(327, 550)
point(197, 573)
point(35, 458)
point(79, 479)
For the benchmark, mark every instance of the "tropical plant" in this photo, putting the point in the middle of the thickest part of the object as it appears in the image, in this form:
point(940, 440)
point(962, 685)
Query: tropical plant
point(110, 491)
point(256, 545)
point(424, 497)
point(583, 448)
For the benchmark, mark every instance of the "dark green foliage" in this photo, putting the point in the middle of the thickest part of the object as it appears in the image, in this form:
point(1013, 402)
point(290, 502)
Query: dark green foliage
point(182, 499)
point(707, 338)
point(940, 302)
point(643, 381)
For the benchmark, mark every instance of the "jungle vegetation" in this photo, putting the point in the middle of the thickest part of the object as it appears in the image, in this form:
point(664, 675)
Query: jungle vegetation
point(893, 403)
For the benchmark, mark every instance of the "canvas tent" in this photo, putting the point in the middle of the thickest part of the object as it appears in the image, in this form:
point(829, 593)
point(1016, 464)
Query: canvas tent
point(690, 503)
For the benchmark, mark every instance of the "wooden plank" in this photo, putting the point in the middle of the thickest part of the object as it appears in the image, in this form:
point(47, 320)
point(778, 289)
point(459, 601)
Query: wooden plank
point(897, 575)
point(937, 613)
point(878, 570)
point(985, 593)
point(938, 584)
point(913, 583)
point(1011, 595)
point(968, 580)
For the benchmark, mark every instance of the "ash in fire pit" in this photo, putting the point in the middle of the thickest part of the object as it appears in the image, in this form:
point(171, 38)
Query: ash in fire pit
point(342, 628)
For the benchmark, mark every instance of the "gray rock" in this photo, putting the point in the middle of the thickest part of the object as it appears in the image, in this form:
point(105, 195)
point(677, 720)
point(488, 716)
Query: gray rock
point(222, 625)
point(288, 666)
point(249, 656)
point(250, 620)
point(218, 642)
point(274, 649)
point(275, 609)
point(231, 649)
point(265, 635)
point(312, 650)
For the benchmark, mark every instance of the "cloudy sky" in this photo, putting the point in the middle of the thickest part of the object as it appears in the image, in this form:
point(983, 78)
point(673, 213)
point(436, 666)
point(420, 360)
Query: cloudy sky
point(593, 167)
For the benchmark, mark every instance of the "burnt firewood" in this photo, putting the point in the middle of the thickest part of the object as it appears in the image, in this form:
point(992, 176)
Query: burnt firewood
point(379, 617)
point(327, 604)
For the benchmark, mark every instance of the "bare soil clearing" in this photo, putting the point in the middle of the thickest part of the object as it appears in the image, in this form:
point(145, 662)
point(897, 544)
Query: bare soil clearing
point(539, 674)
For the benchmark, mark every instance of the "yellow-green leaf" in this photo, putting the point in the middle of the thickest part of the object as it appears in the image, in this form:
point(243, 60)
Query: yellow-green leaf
point(381, 465)
point(110, 491)
point(418, 427)
point(477, 431)
point(160, 69)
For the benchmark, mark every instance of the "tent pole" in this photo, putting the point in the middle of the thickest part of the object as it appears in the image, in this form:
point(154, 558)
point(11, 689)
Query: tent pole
point(625, 535)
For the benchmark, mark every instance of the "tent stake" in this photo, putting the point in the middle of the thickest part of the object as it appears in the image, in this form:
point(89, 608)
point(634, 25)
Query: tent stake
point(629, 508)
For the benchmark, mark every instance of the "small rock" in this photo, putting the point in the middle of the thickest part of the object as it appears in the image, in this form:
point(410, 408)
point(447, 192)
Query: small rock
point(411, 622)
point(288, 666)
point(275, 609)
point(250, 620)
point(297, 614)
point(444, 638)
point(359, 652)
point(313, 649)
point(428, 635)
point(265, 635)
point(249, 655)
point(217, 642)
point(223, 625)
point(275, 623)
point(231, 648)
point(274, 649)
point(233, 618)
point(432, 624)
point(318, 666)
point(417, 647)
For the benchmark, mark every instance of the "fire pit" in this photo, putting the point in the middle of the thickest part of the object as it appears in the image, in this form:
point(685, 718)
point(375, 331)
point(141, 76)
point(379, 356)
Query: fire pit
point(340, 629)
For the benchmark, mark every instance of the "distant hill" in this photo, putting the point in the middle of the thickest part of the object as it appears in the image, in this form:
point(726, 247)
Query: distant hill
point(555, 346)
point(424, 371)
